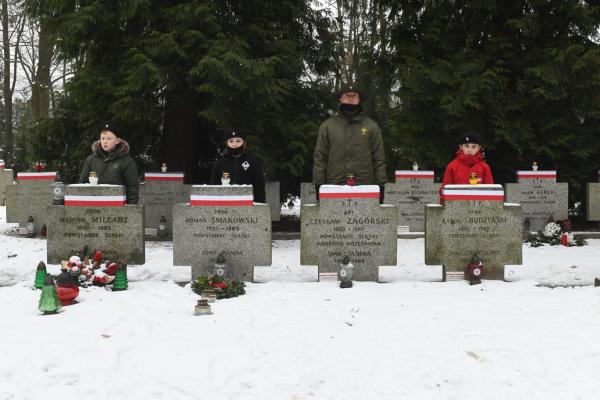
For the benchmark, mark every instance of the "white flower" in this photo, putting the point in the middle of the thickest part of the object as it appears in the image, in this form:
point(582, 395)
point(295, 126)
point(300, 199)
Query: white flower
point(551, 229)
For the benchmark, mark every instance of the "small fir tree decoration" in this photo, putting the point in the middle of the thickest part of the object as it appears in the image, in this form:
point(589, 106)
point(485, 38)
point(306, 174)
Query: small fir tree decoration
point(49, 302)
point(121, 282)
point(40, 275)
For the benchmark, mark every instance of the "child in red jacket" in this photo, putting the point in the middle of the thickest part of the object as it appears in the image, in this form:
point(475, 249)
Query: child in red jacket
point(468, 161)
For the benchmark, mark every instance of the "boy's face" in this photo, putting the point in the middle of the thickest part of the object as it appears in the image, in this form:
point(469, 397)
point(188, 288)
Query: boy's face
point(108, 141)
point(349, 98)
point(470, 149)
point(234, 143)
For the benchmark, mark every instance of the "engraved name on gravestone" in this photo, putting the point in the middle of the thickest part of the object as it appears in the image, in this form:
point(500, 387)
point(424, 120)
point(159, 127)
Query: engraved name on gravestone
point(308, 193)
point(411, 192)
point(6, 179)
point(474, 220)
point(222, 219)
point(272, 198)
point(593, 200)
point(349, 220)
point(540, 196)
point(96, 216)
point(159, 192)
point(29, 198)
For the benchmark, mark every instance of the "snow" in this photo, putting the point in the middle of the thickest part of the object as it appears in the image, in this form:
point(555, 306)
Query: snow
point(411, 338)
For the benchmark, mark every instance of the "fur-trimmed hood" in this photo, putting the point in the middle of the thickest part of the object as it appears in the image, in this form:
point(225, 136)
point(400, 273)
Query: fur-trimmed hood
point(121, 150)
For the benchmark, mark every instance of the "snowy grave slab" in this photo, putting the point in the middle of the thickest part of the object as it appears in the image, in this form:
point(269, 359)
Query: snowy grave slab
point(593, 200)
point(158, 193)
point(29, 198)
point(474, 220)
point(540, 196)
point(411, 192)
point(6, 179)
point(222, 219)
point(349, 220)
point(96, 216)
point(308, 193)
point(272, 198)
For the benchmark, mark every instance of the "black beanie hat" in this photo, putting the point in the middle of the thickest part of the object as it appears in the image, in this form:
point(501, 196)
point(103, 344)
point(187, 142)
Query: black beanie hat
point(469, 137)
point(107, 126)
point(235, 134)
point(350, 87)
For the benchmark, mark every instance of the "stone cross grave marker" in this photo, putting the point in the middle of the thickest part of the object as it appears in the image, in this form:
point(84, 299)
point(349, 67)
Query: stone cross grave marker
point(6, 179)
point(29, 198)
point(272, 198)
point(349, 220)
point(593, 200)
point(96, 216)
point(411, 192)
point(158, 193)
point(540, 196)
point(222, 220)
point(474, 220)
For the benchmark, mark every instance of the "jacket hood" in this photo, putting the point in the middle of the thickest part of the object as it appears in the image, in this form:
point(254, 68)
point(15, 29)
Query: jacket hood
point(121, 150)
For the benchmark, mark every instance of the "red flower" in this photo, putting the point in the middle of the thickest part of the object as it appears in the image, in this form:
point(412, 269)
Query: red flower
point(220, 285)
point(98, 256)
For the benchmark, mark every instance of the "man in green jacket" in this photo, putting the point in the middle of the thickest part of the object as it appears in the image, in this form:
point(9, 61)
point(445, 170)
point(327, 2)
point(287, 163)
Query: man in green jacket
point(112, 163)
point(349, 143)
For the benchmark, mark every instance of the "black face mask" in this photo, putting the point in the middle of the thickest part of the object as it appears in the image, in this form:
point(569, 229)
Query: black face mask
point(350, 110)
point(235, 152)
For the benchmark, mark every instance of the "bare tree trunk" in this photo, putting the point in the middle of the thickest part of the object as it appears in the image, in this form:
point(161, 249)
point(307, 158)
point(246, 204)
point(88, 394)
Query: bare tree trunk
point(6, 89)
point(40, 90)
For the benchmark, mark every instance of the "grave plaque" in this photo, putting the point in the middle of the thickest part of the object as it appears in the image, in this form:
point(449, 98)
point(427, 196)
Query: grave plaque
point(473, 221)
point(593, 200)
point(96, 216)
point(411, 192)
point(540, 196)
point(349, 220)
point(308, 194)
point(272, 197)
point(158, 193)
point(6, 179)
point(222, 219)
point(29, 198)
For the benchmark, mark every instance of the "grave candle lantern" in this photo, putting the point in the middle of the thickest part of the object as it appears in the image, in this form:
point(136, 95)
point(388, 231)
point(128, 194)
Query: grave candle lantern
point(58, 192)
point(93, 178)
point(209, 295)
point(473, 180)
point(30, 227)
point(202, 308)
point(163, 167)
point(1, 164)
point(220, 266)
point(534, 166)
point(163, 231)
point(475, 270)
point(415, 166)
point(346, 270)
point(350, 180)
point(225, 179)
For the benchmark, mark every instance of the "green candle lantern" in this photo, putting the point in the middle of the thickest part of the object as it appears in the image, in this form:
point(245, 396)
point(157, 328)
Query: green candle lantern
point(120, 282)
point(40, 275)
point(49, 302)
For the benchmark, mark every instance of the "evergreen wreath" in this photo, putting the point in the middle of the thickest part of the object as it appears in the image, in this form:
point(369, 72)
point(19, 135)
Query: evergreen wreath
point(224, 289)
point(551, 235)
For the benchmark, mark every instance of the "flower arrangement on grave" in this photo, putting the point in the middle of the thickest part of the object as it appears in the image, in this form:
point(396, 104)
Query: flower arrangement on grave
point(224, 288)
point(94, 270)
point(554, 235)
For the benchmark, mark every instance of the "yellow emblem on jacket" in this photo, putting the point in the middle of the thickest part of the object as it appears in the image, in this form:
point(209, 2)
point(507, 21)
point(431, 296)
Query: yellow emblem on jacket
point(363, 130)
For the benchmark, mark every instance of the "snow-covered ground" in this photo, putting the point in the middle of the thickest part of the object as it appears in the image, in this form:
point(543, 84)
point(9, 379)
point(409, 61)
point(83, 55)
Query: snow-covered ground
point(411, 338)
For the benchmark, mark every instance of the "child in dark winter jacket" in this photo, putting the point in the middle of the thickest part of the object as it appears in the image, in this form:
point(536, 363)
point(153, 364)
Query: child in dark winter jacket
point(468, 162)
point(112, 163)
point(243, 168)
